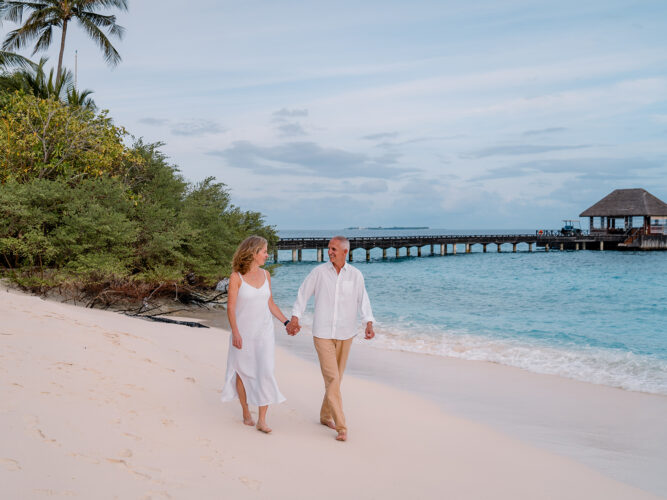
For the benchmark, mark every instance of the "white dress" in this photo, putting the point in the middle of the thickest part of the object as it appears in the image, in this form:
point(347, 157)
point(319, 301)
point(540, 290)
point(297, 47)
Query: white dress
point(254, 362)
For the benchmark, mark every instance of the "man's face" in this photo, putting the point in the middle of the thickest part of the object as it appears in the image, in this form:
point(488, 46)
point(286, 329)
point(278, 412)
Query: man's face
point(337, 253)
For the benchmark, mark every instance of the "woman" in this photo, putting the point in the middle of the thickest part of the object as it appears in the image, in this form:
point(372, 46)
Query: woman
point(250, 361)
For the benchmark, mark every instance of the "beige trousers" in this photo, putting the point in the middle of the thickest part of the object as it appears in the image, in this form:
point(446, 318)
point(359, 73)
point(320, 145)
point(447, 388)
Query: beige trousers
point(333, 357)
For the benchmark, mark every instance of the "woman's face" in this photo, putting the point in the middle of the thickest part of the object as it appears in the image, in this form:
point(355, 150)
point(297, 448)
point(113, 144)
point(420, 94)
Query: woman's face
point(261, 256)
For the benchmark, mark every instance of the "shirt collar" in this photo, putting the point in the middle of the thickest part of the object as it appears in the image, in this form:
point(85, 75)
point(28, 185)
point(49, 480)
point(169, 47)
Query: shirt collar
point(344, 268)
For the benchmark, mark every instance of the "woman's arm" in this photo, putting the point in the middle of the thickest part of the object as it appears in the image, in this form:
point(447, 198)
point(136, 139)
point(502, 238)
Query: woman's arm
point(275, 310)
point(232, 295)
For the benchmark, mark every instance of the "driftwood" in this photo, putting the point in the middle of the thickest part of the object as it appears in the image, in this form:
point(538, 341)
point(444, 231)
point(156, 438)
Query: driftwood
point(192, 324)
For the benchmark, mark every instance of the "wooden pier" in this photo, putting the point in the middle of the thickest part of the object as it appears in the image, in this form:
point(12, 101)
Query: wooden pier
point(446, 244)
point(615, 215)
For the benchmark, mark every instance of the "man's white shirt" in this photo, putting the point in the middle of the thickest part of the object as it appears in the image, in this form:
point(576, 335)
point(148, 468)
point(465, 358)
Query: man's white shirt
point(339, 298)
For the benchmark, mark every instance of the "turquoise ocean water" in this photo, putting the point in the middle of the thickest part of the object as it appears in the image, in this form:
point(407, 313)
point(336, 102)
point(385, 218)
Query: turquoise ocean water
point(594, 316)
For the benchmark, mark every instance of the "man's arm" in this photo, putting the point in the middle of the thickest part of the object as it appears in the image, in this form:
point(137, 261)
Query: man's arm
point(306, 290)
point(365, 311)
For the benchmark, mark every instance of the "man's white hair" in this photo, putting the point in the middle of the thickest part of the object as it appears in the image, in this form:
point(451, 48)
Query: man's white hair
point(343, 241)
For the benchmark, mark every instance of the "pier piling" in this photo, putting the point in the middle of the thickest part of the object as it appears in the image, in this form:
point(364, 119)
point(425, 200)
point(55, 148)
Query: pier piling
point(294, 255)
point(419, 251)
point(384, 253)
point(319, 255)
point(398, 254)
point(514, 247)
point(299, 255)
point(368, 255)
point(467, 247)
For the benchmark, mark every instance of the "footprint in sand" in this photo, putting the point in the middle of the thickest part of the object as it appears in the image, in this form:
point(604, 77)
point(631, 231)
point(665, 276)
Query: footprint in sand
point(86, 458)
point(253, 484)
point(190, 379)
point(133, 436)
point(10, 464)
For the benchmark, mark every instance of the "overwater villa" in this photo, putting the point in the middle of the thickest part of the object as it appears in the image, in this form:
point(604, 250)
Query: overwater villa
point(632, 212)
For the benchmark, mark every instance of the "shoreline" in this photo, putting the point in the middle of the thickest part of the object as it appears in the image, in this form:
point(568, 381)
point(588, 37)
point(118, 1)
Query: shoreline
point(619, 432)
point(96, 401)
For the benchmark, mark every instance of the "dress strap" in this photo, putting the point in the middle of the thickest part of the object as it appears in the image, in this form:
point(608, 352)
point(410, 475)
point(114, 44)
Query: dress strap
point(240, 276)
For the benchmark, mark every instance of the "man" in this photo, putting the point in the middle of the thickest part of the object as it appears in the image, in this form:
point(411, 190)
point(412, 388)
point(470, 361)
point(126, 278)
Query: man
point(340, 294)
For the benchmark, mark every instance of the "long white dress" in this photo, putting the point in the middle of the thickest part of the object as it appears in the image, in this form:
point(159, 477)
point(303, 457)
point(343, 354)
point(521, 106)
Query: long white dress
point(254, 362)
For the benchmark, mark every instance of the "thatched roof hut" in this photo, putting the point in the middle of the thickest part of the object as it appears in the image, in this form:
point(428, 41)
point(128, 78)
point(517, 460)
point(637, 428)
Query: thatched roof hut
point(626, 204)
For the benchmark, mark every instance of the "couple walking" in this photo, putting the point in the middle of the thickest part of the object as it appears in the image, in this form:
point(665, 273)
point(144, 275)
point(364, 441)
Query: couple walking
point(340, 295)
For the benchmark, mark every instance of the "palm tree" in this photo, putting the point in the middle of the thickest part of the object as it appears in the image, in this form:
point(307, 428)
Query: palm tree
point(48, 14)
point(34, 81)
point(10, 59)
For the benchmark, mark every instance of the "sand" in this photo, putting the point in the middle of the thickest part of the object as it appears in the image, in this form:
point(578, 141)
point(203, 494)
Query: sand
point(94, 404)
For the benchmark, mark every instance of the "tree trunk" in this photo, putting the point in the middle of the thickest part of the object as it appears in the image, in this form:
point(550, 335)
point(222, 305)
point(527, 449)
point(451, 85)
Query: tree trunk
point(62, 51)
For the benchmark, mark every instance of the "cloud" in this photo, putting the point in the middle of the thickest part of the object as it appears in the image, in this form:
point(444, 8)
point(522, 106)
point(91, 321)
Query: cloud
point(305, 158)
point(196, 127)
point(284, 114)
point(544, 131)
point(372, 186)
point(382, 135)
point(291, 130)
point(593, 168)
point(156, 122)
point(519, 149)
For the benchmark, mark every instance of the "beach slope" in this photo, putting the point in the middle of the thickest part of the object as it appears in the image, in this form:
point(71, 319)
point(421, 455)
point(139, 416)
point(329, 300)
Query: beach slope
point(94, 404)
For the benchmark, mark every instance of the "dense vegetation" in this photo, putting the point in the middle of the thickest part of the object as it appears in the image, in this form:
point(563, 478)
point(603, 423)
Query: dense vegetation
point(80, 209)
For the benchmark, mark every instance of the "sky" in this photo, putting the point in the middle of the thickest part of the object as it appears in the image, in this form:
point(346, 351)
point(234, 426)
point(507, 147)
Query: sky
point(459, 115)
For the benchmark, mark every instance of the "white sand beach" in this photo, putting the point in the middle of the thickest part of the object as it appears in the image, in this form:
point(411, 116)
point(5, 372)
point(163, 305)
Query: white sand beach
point(94, 404)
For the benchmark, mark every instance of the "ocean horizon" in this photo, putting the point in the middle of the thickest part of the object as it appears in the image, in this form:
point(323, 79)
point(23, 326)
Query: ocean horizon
point(592, 316)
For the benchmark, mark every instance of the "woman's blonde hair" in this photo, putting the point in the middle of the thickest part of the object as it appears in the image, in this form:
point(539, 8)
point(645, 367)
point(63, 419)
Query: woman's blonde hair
point(245, 253)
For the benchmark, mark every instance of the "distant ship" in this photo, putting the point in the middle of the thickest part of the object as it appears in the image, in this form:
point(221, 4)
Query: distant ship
point(393, 228)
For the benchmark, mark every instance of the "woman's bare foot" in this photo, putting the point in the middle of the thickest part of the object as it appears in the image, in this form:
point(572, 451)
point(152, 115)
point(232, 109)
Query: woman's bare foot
point(342, 436)
point(262, 427)
point(247, 419)
point(328, 423)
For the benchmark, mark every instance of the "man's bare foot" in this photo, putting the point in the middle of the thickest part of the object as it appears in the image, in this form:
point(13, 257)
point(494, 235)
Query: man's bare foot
point(342, 436)
point(264, 428)
point(328, 423)
point(247, 420)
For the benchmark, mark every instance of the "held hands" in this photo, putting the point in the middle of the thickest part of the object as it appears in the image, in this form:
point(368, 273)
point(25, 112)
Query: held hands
point(293, 326)
point(370, 333)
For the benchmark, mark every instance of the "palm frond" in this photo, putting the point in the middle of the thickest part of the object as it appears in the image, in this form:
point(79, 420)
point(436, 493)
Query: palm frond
point(8, 59)
point(107, 4)
point(111, 55)
point(100, 20)
point(44, 40)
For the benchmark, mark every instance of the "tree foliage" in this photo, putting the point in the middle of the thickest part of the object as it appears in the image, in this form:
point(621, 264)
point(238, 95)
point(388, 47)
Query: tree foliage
point(45, 15)
point(77, 203)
